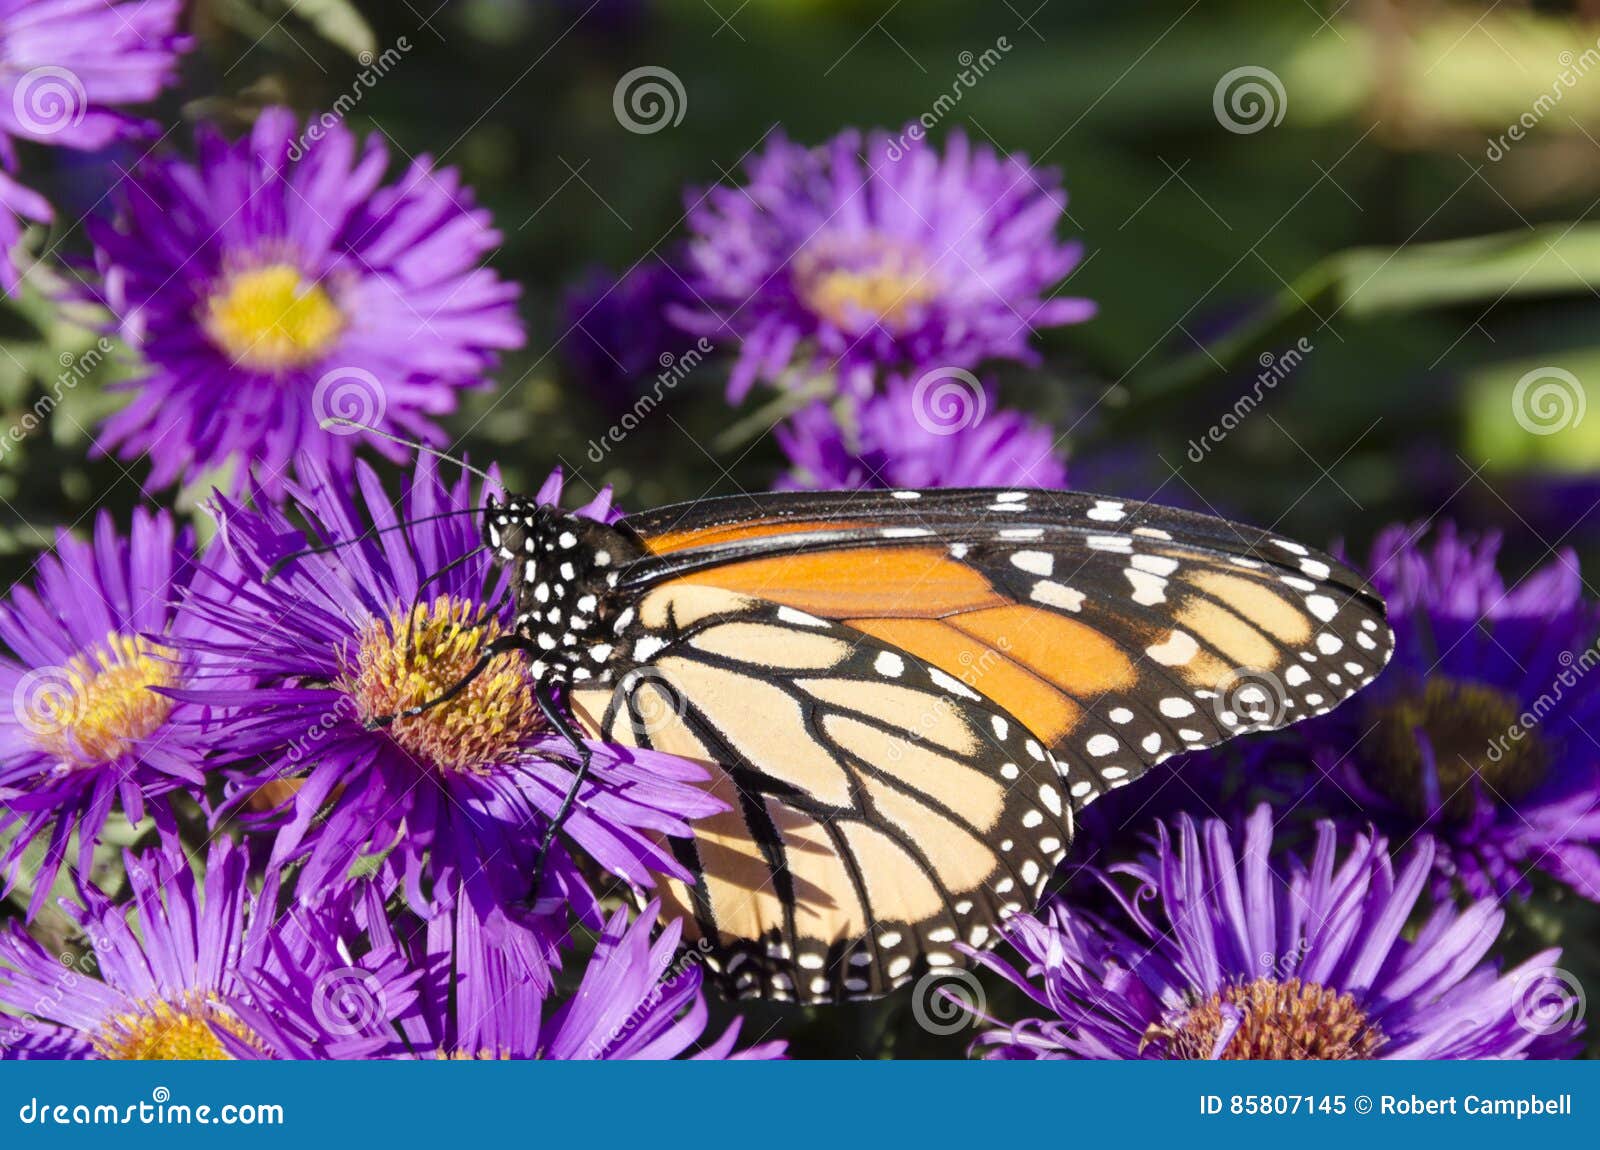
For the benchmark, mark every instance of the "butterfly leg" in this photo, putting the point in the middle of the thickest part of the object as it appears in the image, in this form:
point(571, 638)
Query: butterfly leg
point(490, 653)
point(563, 726)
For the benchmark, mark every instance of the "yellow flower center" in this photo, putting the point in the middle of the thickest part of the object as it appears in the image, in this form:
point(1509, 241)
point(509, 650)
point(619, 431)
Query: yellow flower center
point(180, 1031)
point(880, 282)
point(1468, 727)
point(271, 319)
point(1275, 1020)
point(101, 703)
point(415, 656)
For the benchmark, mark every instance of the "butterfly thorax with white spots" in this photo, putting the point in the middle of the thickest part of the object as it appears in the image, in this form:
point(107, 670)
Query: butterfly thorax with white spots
point(564, 573)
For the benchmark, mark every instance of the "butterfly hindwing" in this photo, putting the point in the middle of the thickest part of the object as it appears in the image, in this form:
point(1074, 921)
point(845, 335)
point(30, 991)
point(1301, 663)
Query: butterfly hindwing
point(880, 809)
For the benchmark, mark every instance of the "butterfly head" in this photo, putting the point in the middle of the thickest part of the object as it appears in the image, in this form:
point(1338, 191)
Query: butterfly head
point(564, 571)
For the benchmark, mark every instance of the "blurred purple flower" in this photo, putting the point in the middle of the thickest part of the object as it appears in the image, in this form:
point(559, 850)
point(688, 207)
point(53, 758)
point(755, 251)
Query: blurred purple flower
point(66, 67)
point(279, 282)
point(172, 973)
point(466, 999)
point(454, 799)
point(1226, 951)
point(942, 431)
point(855, 259)
point(1485, 729)
point(94, 639)
point(619, 336)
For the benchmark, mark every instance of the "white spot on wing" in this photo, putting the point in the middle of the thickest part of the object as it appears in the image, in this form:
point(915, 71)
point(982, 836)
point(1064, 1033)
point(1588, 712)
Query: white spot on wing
point(799, 618)
point(1053, 594)
point(1040, 563)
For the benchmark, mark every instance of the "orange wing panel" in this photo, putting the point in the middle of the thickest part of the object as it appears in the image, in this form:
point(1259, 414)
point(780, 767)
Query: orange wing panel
point(895, 582)
point(1034, 703)
point(732, 533)
point(1080, 659)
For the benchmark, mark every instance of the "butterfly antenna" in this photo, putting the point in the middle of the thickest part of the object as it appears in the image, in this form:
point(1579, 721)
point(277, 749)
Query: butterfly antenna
point(372, 532)
point(415, 445)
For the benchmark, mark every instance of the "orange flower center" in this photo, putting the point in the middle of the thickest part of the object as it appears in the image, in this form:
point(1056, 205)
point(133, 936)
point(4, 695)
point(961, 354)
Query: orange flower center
point(414, 656)
point(182, 1030)
point(270, 319)
point(100, 704)
point(1274, 1020)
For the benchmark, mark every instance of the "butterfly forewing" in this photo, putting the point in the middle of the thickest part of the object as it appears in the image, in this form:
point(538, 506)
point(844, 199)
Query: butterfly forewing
point(1120, 633)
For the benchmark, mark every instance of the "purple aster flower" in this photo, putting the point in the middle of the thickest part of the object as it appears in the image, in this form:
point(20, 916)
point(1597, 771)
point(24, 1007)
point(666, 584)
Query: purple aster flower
point(170, 973)
point(1483, 730)
point(852, 262)
point(635, 1000)
point(278, 282)
point(1224, 951)
point(454, 800)
point(945, 430)
point(619, 336)
point(94, 642)
point(66, 66)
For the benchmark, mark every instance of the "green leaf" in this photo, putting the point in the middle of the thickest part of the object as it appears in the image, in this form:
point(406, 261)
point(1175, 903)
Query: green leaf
point(1557, 259)
point(339, 23)
point(1533, 415)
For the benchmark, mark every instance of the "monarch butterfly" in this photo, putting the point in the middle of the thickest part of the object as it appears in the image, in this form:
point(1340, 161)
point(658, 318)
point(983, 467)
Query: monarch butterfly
point(904, 697)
